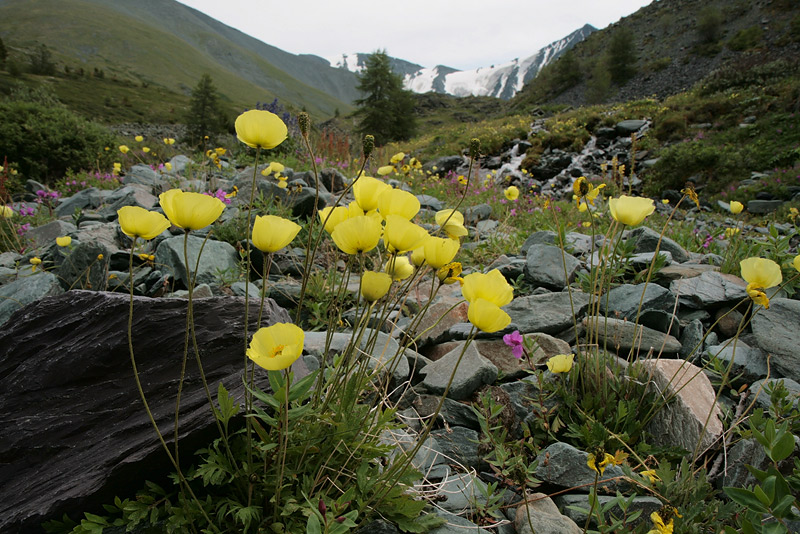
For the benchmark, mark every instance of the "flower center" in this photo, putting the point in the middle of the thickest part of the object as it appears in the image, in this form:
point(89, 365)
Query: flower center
point(277, 351)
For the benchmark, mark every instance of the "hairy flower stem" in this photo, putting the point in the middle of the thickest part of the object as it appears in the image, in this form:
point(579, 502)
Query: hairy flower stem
point(248, 396)
point(284, 444)
point(173, 459)
point(592, 502)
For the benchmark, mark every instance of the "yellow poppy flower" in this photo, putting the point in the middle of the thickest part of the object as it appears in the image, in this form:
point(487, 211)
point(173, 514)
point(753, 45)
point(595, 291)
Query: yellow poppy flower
point(599, 467)
point(491, 286)
point(560, 363)
point(6, 212)
point(450, 273)
point(631, 211)
point(145, 149)
point(169, 141)
point(796, 262)
point(190, 211)
point(139, 138)
point(487, 316)
point(760, 274)
point(124, 149)
point(399, 268)
point(276, 347)
point(398, 202)
point(139, 222)
point(511, 192)
point(401, 235)
point(397, 158)
point(271, 233)
point(367, 190)
point(374, 285)
point(332, 216)
point(418, 254)
point(386, 169)
point(440, 251)
point(357, 234)
point(260, 129)
point(64, 241)
point(452, 223)
point(736, 207)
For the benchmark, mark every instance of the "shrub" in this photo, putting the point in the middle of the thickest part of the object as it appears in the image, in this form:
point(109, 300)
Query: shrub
point(746, 39)
point(45, 141)
point(709, 25)
point(717, 165)
point(670, 127)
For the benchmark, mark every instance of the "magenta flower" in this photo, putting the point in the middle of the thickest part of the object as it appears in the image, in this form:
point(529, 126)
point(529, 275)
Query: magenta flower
point(514, 340)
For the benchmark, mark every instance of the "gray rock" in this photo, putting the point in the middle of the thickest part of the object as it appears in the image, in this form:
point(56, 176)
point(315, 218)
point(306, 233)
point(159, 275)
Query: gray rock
point(303, 202)
point(74, 431)
point(662, 321)
point(776, 331)
point(691, 340)
point(217, 258)
point(179, 163)
point(749, 362)
point(26, 290)
point(85, 266)
point(630, 126)
point(692, 421)
point(378, 526)
point(750, 452)
point(456, 525)
point(131, 195)
point(565, 466)
point(143, 174)
point(623, 302)
point(384, 355)
point(625, 336)
point(461, 493)
point(549, 313)
point(473, 372)
point(430, 202)
point(759, 391)
point(643, 260)
point(548, 266)
point(760, 207)
point(574, 242)
point(542, 514)
point(427, 458)
point(45, 235)
point(484, 228)
point(88, 198)
point(444, 164)
point(709, 290)
point(452, 412)
point(571, 501)
point(646, 240)
point(476, 213)
point(460, 446)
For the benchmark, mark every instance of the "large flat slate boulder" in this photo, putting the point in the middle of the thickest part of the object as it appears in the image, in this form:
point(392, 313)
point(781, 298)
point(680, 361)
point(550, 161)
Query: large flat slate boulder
point(73, 432)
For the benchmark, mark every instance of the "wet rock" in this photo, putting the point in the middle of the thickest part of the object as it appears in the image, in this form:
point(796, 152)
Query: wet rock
point(646, 240)
point(760, 207)
point(75, 433)
point(26, 290)
point(628, 300)
point(541, 512)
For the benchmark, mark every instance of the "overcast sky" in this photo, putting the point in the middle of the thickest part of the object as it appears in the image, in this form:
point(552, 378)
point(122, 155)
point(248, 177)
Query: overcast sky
point(463, 34)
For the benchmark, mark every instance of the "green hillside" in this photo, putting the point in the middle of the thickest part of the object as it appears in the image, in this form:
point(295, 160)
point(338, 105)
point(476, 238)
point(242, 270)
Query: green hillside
point(160, 44)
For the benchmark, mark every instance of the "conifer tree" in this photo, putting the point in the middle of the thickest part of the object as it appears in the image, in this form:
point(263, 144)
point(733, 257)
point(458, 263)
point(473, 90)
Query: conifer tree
point(387, 110)
point(205, 116)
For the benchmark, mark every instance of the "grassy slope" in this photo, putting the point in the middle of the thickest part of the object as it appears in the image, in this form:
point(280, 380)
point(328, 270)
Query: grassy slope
point(131, 49)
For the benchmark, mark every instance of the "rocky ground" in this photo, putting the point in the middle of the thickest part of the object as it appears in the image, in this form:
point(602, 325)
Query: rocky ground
point(74, 434)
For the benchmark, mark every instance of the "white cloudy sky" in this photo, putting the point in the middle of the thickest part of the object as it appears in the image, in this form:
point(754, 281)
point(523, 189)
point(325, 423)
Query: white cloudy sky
point(462, 34)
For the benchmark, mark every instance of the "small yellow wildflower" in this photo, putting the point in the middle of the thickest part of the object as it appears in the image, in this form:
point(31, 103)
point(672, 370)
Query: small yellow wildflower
point(35, 261)
point(736, 207)
point(599, 467)
point(124, 149)
point(145, 149)
point(139, 138)
point(691, 193)
point(651, 475)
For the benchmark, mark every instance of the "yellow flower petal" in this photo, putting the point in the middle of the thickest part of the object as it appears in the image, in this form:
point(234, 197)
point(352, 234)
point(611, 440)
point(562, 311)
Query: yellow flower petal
point(64, 241)
point(374, 285)
point(736, 207)
point(511, 192)
point(357, 234)
point(630, 211)
point(276, 347)
point(260, 129)
point(761, 273)
point(332, 216)
point(272, 233)
point(190, 211)
point(367, 190)
point(440, 251)
point(399, 267)
point(139, 222)
point(487, 316)
point(491, 286)
point(398, 202)
point(401, 235)
point(560, 363)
